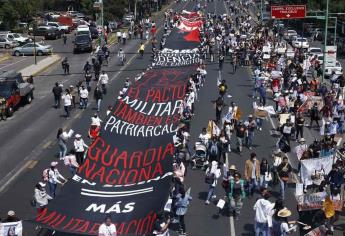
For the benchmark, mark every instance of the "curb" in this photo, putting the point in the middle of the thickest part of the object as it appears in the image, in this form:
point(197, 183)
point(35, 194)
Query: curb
point(58, 58)
point(5, 57)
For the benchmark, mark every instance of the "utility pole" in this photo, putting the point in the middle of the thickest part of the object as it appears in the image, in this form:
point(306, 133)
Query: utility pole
point(261, 11)
point(325, 42)
point(35, 52)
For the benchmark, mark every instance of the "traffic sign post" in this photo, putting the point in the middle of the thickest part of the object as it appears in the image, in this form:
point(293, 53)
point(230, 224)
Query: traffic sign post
point(288, 12)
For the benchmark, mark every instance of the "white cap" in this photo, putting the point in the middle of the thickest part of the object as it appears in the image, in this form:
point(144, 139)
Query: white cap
point(54, 163)
point(77, 136)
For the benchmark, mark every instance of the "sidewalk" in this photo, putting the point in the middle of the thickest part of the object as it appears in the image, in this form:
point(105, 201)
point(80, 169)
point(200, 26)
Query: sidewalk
point(40, 66)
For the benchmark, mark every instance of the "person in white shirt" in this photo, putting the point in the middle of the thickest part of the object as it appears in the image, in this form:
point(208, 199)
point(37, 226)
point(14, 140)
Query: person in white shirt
point(41, 197)
point(262, 209)
point(118, 35)
point(79, 146)
point(216, 173)
point(107, 228)
point(84, 94)
point(67, 102)
point(204, 137)
point(124, 37)
point(95, 120)
point(103, 80)
point(71, 161)
point(54, 177)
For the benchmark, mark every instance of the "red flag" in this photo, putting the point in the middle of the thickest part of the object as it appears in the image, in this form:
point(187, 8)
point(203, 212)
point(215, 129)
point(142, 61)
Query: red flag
point(193, 36)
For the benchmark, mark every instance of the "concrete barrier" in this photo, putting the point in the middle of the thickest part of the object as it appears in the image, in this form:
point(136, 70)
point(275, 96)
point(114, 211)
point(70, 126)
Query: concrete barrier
point(41, 66)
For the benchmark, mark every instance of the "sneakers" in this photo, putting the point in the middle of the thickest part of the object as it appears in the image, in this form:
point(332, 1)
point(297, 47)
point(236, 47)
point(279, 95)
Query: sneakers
point(214, 196)
point(207, 202)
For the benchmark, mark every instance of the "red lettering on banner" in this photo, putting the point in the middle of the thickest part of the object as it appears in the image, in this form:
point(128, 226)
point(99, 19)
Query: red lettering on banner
point(76, 225)
point(133, 92)
point(59, 222)
point(94, 229)
point(84, 227)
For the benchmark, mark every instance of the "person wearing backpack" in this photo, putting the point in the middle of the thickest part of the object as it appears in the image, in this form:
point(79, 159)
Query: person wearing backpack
point(212, 174)
point(236, 194)
point(213, 150)
point(40, 198)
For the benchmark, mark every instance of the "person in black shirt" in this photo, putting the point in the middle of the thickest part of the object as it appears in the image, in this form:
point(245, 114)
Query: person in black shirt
point(299, 125)
point(57, 91)
point(240, 129)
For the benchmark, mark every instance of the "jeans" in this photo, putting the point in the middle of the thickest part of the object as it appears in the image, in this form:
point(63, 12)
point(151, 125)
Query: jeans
point(261, 228)
point(52, 189)
point(182, 224)
point(253, 185)
point(73, 170)
point(57, 100)
point(236, 205)
point(99, 104)
point(259, 123)
point(263, 100)
point(210, 192)
point(83, 103)
point(239, 143)
point(104, 88)
point(283, 185)
point(250, 139)
point(263, 182)
point(255, 91)
point(66, 110)
point(63, 149)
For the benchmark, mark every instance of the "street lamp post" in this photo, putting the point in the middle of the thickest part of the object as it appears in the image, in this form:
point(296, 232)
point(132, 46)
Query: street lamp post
point(35, 53)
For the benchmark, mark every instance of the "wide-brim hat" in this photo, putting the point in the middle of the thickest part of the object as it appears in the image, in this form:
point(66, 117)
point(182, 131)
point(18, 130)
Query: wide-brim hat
point(232, 167)
point(301, 140)
point(284, 212)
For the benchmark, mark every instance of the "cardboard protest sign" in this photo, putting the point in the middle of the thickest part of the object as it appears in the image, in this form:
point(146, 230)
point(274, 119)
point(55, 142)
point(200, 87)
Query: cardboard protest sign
point(11, 229)
point(310, 166)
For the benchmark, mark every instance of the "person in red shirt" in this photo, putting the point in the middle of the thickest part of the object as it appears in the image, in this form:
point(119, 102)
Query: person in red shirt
point(153, 31)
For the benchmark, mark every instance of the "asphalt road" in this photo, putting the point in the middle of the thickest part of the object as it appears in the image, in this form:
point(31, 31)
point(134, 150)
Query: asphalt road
point(28, 140)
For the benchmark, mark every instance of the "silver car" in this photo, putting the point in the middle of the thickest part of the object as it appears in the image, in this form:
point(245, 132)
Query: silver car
point(29, 49)
point(6, 43)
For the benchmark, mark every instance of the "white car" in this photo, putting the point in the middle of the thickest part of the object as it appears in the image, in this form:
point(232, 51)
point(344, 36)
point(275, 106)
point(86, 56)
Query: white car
point(300, 43)
point(16, 37)
point(59, 26)
point(338, 69)
point(315, 51)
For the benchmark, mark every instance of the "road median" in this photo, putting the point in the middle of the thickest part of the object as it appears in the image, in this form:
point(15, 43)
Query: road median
point(40, 66)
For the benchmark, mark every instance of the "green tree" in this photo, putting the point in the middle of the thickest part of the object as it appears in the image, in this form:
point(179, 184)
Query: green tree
point(8, 14)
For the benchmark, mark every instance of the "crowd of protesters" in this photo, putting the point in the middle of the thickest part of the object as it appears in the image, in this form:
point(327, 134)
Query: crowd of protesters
point(282, 88)
point(285, 88)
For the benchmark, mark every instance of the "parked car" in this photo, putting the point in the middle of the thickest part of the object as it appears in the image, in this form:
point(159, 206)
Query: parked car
point(300, 43)
point(29, 49)
point(48, 32)
point(82, 43)
point(14, 90)
point(59, 26)
point(6, 43)
point(288, 34)
point(15, 37)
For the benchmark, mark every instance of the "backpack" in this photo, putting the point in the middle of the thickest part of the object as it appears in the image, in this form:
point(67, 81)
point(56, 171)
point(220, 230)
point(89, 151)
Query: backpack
point(214, 149)
point(45, 175)
point(209, 178)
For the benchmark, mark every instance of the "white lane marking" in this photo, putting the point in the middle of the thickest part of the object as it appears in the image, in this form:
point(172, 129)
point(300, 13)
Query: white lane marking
point(272, 122)
point(232, 225)
point(12, 63)
point(15, 175)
